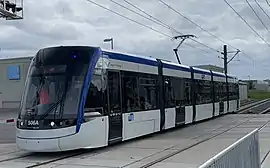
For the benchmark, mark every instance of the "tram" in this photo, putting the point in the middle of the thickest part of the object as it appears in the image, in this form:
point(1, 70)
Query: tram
point(86, 97)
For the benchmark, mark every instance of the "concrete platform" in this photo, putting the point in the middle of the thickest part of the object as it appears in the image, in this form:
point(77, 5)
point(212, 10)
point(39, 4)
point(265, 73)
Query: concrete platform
point(138, 152)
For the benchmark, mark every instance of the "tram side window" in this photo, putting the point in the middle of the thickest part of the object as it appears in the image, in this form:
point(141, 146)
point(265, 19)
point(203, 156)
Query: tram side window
point(218, 91)
point(203, 91)
point(179, 91)
point(148, 92)
point(188, 97)
point(96, 96)
point(114, 91)
point(169, 93)
point(224, 96)
point(221, 90)
point(234, 91)
point(231, 91)
point(130, 92)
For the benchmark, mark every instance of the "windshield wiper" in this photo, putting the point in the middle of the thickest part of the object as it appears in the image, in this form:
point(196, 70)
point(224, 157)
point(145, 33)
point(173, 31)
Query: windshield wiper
point(55, 105)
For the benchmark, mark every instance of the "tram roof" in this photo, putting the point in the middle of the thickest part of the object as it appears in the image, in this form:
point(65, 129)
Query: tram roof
point(153, 62)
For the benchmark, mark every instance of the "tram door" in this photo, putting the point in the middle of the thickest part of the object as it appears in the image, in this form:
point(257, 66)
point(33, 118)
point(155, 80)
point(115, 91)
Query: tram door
point(115, 107)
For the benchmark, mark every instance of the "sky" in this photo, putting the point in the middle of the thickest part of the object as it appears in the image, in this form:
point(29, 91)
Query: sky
point(78, 22)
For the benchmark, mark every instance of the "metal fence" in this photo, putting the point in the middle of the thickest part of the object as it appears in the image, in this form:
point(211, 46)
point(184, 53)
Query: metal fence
point(245, 153)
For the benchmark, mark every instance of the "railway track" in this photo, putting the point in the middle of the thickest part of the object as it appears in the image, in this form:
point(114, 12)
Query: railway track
point(247, 102)
point(262, 107)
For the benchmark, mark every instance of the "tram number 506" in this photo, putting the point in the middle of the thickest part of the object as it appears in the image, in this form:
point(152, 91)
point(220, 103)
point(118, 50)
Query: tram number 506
point(32, 122)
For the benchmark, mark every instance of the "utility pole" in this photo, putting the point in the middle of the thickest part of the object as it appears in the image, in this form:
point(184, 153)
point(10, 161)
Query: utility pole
point(225, 57)
point(225, 54)
point(226, 62)
point(183, 37)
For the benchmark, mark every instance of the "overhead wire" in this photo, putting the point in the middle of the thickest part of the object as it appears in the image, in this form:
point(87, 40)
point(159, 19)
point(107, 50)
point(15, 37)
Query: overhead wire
point(249, 27)
point(247, 23)
point(136, 7)
point(267, 2)
point(166, 25)
point(171, 28)
point(194, 23)
point(148, 27)
point(200, 27)
point(262, 9)
point(159, 22)
point(157, 31)
point(255, 13)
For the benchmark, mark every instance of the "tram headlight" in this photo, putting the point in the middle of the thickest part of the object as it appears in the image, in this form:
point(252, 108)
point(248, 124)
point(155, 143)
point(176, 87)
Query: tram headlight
point(52, 124)
point(20, 123)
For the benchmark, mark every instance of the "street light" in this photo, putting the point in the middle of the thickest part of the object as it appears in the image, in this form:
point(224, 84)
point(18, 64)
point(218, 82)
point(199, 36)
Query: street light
point(109, 40)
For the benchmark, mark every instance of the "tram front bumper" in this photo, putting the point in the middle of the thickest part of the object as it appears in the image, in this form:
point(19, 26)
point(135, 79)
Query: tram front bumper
point(38, 145)
point(42, 140)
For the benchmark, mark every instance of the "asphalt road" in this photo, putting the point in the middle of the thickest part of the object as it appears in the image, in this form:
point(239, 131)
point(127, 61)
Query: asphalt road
point(8, 113)
point(7, 133)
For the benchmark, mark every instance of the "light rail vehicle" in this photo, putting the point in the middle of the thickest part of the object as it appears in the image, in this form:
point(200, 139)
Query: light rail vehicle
point(86, 97)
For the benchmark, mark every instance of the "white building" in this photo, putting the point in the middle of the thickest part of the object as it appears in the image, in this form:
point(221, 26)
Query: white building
point(12, 78)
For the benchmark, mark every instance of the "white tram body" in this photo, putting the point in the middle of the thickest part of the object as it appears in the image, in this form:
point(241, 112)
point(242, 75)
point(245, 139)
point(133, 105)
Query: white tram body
point(119, 97)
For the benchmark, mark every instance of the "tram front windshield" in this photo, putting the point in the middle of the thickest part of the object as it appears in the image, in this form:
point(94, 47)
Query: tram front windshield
point(54, 85)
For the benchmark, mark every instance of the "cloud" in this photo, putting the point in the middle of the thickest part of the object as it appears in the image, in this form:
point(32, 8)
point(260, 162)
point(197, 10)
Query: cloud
point(68, 22)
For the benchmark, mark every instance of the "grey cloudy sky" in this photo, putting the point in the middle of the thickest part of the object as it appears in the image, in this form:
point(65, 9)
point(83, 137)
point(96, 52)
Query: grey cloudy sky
point(78, 22)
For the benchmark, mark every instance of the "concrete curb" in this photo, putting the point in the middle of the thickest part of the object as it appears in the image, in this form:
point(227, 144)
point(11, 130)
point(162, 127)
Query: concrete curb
point(7, 121)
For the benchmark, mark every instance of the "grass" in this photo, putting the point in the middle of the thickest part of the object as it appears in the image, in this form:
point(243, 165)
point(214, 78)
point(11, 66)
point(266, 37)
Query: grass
point(258, 95)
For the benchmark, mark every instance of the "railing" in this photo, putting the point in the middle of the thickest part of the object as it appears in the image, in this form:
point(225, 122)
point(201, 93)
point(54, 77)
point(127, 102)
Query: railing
point(245, 153)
